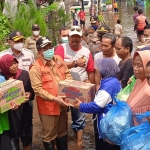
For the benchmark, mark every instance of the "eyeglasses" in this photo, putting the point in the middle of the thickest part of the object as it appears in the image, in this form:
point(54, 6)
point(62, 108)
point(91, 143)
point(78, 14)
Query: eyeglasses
point(75, 29)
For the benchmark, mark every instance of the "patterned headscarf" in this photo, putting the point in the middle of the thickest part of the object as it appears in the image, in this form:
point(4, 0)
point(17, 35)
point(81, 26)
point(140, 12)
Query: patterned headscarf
point(107, 67)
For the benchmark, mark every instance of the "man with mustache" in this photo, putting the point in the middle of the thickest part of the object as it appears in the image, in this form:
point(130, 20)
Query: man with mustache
point(80, 62)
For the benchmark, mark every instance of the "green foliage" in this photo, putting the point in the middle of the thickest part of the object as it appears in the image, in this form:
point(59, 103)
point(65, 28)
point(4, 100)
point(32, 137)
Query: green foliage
point(148, 2)
point(56, 20)
point(26, 16)
point(4, 31)
point(50, 8)
point(108, 2)
point(50, 19)
point(4, 27)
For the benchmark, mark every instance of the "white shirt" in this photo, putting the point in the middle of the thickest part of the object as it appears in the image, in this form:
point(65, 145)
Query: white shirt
point(25, 59)
point(117, 29)
point(76, 16)
point(78, 73)
point(102, 98)
point(100, 56)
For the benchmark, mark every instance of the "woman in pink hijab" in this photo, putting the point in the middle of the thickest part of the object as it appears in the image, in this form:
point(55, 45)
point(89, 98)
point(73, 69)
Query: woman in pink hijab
point(139, 99)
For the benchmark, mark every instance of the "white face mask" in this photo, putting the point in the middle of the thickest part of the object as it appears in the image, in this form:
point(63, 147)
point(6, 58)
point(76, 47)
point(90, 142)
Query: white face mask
point(18, 46)
point(146, 39)
point(65, 39)
point(36, 33)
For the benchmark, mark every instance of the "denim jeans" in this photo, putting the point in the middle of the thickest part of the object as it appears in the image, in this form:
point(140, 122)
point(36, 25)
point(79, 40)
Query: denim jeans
point(78, 120)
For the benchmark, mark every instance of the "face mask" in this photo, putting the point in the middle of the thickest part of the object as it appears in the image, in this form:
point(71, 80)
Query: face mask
point(95, 27)
point(48, 55)
point(18, 46)
point(146, 39)
point(36, 33)
point(64, 40)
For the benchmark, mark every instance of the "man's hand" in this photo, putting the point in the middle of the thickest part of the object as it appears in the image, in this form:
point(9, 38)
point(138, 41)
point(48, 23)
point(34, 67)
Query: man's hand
point(77, 105)
point(129, 81)
point(81, 61)
point(27, 96)
point(60, 100)
point(14, 106)
point(1, 95)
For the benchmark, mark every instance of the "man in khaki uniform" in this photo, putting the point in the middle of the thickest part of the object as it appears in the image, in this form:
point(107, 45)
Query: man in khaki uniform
point(45, 73)
point(30, 42)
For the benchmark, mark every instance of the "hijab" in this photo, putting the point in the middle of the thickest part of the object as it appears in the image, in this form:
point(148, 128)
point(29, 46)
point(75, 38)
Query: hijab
point(5, 64)
point(107, 67)
point(139, 99)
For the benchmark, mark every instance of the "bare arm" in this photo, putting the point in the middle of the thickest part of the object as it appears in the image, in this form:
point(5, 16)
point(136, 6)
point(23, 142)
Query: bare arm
point(69, 65)
point(97, 79)
point(80, 62)
point(91, 77)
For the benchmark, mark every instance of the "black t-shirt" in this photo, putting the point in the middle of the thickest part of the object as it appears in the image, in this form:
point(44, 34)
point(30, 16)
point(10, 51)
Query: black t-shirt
point(126, 71)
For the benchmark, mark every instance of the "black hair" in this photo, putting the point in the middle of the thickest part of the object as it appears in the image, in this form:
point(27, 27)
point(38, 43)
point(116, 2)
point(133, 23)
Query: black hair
point(63, 28)
point(127, 42)
point(147, 27)
point(118, 21)
point(135, 8)
point(148, 64)
point(110, 36)
point(140, 11)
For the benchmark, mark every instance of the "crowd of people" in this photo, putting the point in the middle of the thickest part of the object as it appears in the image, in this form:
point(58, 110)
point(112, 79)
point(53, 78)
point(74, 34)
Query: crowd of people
point(91, 55)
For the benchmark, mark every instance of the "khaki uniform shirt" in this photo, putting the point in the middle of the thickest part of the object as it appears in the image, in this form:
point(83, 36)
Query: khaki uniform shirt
point(30, 43)
point(36, 81)
point(25, 58)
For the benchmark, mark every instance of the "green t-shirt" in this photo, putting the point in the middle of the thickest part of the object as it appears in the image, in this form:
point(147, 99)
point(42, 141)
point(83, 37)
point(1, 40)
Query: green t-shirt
point(4, 122)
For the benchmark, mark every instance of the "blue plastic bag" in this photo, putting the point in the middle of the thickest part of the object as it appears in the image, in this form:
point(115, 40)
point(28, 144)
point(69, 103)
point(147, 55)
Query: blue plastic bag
point(138, 137)
point(118, 119)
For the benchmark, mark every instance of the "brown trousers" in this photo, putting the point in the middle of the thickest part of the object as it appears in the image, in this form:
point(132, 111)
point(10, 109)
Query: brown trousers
point(54, 126)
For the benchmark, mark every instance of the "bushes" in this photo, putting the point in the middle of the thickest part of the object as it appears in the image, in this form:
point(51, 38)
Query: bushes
point(50, 19)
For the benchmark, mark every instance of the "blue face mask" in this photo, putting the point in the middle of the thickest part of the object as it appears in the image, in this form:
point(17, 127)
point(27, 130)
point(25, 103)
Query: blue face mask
point(48, 55)
point(95, 27)
point(64, 39)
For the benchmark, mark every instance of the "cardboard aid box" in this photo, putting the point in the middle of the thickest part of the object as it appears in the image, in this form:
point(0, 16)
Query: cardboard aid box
point(13, 91)
point(72, 89)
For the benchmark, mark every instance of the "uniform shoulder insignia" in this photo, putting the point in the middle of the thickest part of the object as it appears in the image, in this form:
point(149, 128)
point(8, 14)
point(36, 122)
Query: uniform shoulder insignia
point(28, 50)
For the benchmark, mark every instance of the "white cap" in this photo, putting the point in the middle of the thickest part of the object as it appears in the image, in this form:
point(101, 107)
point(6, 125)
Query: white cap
point(147, 43)
point(75, 30)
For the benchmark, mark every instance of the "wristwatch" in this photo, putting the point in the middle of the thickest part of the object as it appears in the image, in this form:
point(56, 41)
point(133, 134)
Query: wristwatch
point(75, 63)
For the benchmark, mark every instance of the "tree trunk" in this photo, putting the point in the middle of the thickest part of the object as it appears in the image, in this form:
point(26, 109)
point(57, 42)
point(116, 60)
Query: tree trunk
point(92, 5)
point(99, 7)
point(112, 5)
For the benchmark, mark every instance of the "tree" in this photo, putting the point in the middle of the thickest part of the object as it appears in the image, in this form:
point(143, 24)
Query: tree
point(50, 19)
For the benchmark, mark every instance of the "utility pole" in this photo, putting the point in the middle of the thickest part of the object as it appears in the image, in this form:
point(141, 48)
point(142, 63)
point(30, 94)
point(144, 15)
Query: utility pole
point(99, 7)
point(92, 7)
point(82, 5)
